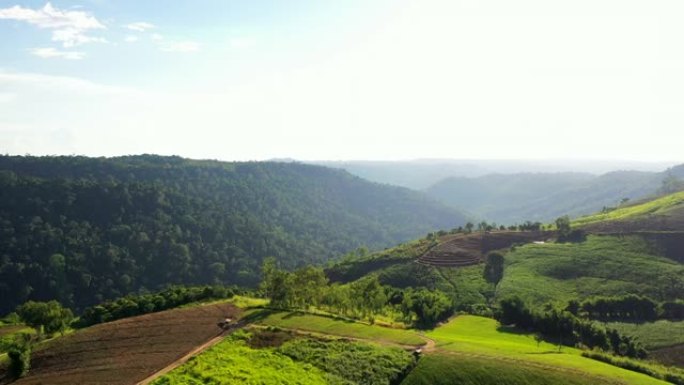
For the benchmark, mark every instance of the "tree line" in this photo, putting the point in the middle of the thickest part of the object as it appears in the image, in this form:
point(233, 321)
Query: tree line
point(565, 328)
point(364, 298)
point(631, 307)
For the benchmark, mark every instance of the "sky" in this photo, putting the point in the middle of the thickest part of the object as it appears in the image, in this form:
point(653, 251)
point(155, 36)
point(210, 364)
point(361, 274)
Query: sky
point(342, 80)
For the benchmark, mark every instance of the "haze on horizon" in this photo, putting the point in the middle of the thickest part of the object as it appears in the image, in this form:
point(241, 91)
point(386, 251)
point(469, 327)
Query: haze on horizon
point(380, 80)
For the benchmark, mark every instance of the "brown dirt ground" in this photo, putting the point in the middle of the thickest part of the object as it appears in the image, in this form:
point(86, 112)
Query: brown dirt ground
point(672, 355)
point(126, 351)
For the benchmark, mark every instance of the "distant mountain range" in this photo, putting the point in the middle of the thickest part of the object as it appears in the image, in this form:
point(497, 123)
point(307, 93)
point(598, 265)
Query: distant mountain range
point(518, 191)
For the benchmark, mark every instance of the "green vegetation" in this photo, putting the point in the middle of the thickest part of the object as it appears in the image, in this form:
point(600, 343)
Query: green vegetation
point(298, 361)
point(673, 375)
point(84, 230)
point(48, 317)
point(657, 206)
point(472, 335)
point(459, 369)
point(600, 266)
point(232, 361)
point(19, 354)
point(335, 327)
point(358, 363)
point(364, 298)
point(566, 328)
point(133, 305)
point(653, 335)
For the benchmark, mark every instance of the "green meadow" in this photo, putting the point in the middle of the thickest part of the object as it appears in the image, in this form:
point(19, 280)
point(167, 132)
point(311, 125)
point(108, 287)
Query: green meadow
point(600, 266)
point(484, 338)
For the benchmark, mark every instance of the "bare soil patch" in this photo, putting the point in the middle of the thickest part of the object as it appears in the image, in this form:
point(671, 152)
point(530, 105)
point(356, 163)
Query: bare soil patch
point(126, 351)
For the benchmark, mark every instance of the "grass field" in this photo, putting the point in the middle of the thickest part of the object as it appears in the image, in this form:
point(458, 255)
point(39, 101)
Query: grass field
point(657, 206)
point(483, 337)
point(336, 327)
point(233, 362)
point(449, 369)
point(603, 265)
point(125, 351)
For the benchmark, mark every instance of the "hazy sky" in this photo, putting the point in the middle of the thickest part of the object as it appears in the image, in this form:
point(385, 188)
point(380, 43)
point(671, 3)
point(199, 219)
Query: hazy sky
point(353, 79)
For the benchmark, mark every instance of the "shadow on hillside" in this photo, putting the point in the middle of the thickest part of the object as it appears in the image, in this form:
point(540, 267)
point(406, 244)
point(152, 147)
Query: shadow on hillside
point(258, 315)
point(512, 330)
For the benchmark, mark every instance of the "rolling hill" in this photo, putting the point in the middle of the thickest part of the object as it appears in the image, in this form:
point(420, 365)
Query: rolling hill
point(636, 249)
point(514, 198)
point(81, 230)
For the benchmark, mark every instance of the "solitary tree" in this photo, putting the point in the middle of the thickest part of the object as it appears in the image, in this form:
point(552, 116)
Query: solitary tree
point(49, 317)
point(494, 268)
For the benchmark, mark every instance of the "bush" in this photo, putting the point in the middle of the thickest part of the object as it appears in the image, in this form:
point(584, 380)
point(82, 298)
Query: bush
point(133, 305)
point(20, 357)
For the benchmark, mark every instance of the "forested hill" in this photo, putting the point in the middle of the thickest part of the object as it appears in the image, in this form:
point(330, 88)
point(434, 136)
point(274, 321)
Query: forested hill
point(83, 229)
point(513, 198)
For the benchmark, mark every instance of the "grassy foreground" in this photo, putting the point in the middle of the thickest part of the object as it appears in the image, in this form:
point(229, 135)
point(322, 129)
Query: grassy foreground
point(483, 338)
point(233, 362)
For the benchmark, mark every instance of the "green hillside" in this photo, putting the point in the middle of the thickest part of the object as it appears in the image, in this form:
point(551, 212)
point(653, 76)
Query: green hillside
point(81, 230)
point(661, 214)
point(600, 266)
point(515, 357)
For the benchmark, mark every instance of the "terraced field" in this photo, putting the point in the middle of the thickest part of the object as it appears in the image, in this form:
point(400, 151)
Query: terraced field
point(470, 249)
point(127, 351)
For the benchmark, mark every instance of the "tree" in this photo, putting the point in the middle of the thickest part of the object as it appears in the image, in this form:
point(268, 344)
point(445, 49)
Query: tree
point(48, 317)
point(494, 268)
point(276, 283)
point(308, 286)
point(427, 307)
point(469, 227)
point(563, 227)
point(19, 354)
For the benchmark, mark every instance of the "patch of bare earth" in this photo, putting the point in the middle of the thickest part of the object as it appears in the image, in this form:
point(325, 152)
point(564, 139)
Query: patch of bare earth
point(126, 351)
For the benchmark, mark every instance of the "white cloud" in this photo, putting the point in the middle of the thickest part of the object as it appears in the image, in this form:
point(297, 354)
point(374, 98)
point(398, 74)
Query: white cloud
point(68, 27)
point(131, 39)
point(140, 26)
point(49, 53)
point(157, 37)
point(183, 46)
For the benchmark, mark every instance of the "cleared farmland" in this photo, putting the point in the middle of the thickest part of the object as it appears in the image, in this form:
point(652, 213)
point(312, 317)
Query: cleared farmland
point(126, 351)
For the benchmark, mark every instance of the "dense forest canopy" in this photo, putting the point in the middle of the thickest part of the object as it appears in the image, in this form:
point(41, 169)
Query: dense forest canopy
point(81, 230)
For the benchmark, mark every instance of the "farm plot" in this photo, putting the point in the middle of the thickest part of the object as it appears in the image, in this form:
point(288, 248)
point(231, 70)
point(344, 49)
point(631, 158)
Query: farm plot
point(126, 351)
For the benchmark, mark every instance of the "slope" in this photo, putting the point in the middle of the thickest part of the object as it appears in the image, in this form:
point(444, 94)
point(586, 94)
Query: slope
point(511, 198)
point(85, 229)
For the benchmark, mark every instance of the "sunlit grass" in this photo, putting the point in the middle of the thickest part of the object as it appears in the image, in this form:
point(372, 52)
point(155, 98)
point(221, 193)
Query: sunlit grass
point(658, 206)
point(338, 327)
point(483, 337)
